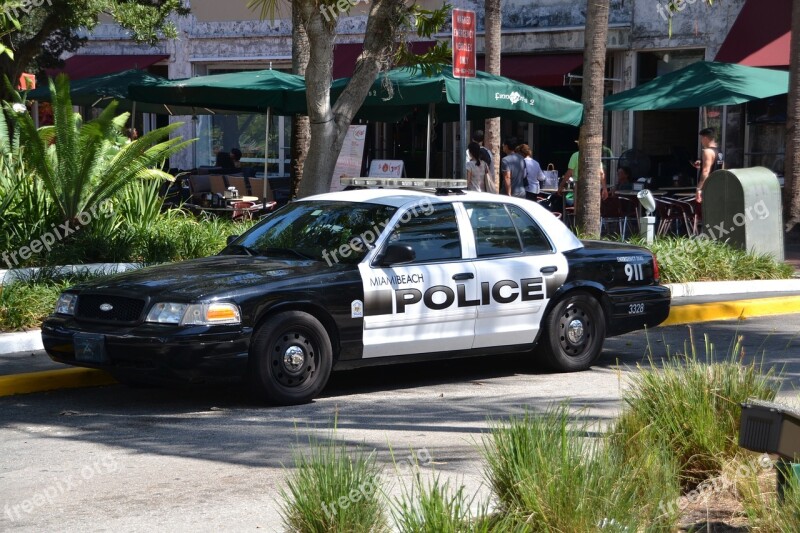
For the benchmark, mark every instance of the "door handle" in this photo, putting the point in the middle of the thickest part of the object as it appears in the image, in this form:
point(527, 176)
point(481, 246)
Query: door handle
point(463, 276)
point(548, 269)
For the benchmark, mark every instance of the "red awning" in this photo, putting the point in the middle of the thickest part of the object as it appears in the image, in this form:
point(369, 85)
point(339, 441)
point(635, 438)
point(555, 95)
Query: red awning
point(84, 66)
point(537, 70)
point(346, 54)
point(27, 82)
point(759, 37)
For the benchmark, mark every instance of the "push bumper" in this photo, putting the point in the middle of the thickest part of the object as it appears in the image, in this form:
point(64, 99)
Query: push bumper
point(153, 352)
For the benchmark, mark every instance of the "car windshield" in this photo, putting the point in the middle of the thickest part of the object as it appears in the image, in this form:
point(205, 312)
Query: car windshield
point(321, 231)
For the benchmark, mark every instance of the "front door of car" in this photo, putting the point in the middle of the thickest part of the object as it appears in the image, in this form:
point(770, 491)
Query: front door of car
point(514, 261)
point(428, 304)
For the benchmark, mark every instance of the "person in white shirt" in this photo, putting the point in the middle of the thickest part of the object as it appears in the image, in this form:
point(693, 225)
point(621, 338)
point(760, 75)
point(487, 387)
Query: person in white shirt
point(478, 178)
point(533, 172)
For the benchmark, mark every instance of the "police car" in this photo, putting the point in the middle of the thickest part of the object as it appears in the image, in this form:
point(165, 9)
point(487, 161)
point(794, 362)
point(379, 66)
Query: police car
point(360, 277)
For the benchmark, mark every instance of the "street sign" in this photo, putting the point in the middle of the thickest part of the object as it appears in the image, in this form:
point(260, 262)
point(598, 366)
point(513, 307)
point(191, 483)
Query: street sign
point(463, 43)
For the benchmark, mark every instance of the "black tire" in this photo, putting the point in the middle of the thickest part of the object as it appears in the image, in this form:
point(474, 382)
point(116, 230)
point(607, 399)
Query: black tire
point(290, 358)
point(573, 334)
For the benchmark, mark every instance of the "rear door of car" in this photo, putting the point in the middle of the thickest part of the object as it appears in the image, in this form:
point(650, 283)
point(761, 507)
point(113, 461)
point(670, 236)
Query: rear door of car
point(515, 262)
point(428, 305)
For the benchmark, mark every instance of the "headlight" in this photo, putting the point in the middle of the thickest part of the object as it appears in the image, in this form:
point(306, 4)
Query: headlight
point(214, 313)
point(194, 314)
point(66, 304)
point(167, 313)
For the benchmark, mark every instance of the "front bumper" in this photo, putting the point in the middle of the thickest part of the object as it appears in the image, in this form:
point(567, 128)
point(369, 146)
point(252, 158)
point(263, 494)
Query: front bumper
point(631, 309)
point(155, 352)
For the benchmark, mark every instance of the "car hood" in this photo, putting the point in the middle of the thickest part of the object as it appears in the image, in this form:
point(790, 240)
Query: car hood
point(210, 276)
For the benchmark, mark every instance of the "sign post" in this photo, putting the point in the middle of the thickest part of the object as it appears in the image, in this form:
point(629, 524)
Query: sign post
point(463, 68)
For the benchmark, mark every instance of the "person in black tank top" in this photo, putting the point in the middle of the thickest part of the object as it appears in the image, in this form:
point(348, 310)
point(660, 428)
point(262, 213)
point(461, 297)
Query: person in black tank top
point(710, 159)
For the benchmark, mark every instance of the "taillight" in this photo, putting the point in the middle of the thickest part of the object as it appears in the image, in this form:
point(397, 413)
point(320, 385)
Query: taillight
point(656, 274)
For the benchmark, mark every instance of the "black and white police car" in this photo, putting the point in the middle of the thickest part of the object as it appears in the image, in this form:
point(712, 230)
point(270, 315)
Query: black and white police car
point(361, 277)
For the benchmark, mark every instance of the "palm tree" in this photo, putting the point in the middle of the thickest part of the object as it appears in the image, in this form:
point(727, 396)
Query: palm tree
point(493, 38)
point(591, 134)
point(80, 164)
point(301, 127)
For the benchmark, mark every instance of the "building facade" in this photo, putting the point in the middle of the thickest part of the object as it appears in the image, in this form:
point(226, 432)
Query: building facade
point(542, 44)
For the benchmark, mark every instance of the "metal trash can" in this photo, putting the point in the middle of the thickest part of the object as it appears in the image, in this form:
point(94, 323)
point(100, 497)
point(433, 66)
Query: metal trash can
point(743, 206)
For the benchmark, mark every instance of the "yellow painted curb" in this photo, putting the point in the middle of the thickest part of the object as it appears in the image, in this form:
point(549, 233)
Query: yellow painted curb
point(69, 378)
point(740, 309)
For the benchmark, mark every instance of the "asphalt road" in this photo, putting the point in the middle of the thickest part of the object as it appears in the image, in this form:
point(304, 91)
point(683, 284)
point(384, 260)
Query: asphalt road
point(209, 459)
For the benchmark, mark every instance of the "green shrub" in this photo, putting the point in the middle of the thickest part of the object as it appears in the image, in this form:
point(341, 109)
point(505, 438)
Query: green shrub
point(692, 407)
point(682, 260)
point(549, 476)
point(334, 489)
point(760, 500)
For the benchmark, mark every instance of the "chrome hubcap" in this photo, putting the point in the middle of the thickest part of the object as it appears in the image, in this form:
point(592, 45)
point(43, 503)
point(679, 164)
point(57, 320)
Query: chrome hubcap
point(293, 358)
point(575, 331)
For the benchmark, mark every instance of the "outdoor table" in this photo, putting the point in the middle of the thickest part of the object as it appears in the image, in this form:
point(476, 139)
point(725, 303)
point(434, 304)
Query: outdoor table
point(242, 199)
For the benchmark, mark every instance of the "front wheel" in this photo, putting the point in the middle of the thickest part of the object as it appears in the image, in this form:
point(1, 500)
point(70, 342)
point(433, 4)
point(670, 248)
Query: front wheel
point(291, 358)
point(573, 334)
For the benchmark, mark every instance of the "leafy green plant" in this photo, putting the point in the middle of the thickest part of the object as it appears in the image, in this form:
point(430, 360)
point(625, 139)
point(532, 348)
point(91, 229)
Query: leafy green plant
point(691, 405)
point(334, 489)
point(80, 164)
point(549, 475)
point(765, 513)
point(682, 260)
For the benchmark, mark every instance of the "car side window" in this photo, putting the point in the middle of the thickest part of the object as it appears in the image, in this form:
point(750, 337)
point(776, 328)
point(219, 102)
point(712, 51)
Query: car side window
point(533, 237)
point(432, 235)
point(495, 233)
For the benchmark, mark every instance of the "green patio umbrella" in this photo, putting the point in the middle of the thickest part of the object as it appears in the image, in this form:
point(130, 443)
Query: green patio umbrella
point(99, 91)
point(488, 96)
point(246, 91)
point(260, 91)
point(702, 84)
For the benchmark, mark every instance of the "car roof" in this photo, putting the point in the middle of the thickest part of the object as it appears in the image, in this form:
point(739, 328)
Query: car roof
point(562, 237)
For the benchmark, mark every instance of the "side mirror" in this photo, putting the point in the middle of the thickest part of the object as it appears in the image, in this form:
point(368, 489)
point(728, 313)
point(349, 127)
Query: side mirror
point(231, 238)
point(397, 254)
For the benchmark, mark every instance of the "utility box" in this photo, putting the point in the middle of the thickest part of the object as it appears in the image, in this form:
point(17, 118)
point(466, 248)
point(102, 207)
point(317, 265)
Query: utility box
point(769, 427)
point(743, 206)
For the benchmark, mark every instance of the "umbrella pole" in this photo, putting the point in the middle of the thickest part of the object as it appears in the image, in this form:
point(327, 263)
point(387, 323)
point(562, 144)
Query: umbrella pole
point(266, 160)
point(133, 118)
point(428, 143)
point(462, 156)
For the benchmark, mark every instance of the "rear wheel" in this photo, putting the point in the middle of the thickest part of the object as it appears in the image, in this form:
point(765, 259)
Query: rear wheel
point(291, 358)
point(573, 333)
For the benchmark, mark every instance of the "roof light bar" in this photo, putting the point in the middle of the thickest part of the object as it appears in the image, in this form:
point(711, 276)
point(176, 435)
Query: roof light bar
point(397, 183)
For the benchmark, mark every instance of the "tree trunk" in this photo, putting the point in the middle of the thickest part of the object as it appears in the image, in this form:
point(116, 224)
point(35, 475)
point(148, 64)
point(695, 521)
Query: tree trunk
point(591, 135)
point(792, 157)
point(301, 129)
point(493, 45)
point(329, 124)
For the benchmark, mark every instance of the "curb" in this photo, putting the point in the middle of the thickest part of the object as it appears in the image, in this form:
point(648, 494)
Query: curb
point(713, 288)
point(69, 378)
point(23, 341)
point(740, 309)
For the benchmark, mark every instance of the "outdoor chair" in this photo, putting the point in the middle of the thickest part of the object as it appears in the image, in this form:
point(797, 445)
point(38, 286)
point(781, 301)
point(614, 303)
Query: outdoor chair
point(240, 184)
point(198, 185)
point(630, 215)
point(217, 182)
point(244, 210)
point(611, 214)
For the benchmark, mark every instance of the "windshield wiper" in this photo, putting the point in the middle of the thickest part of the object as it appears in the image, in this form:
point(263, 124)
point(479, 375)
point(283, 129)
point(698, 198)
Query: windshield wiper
point(284, 251)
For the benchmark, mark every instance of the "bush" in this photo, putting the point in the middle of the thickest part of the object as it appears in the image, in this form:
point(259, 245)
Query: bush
point(334, 489)
point(764, 511)
point(550, 477)
point(692, 408)
point(682, 260)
